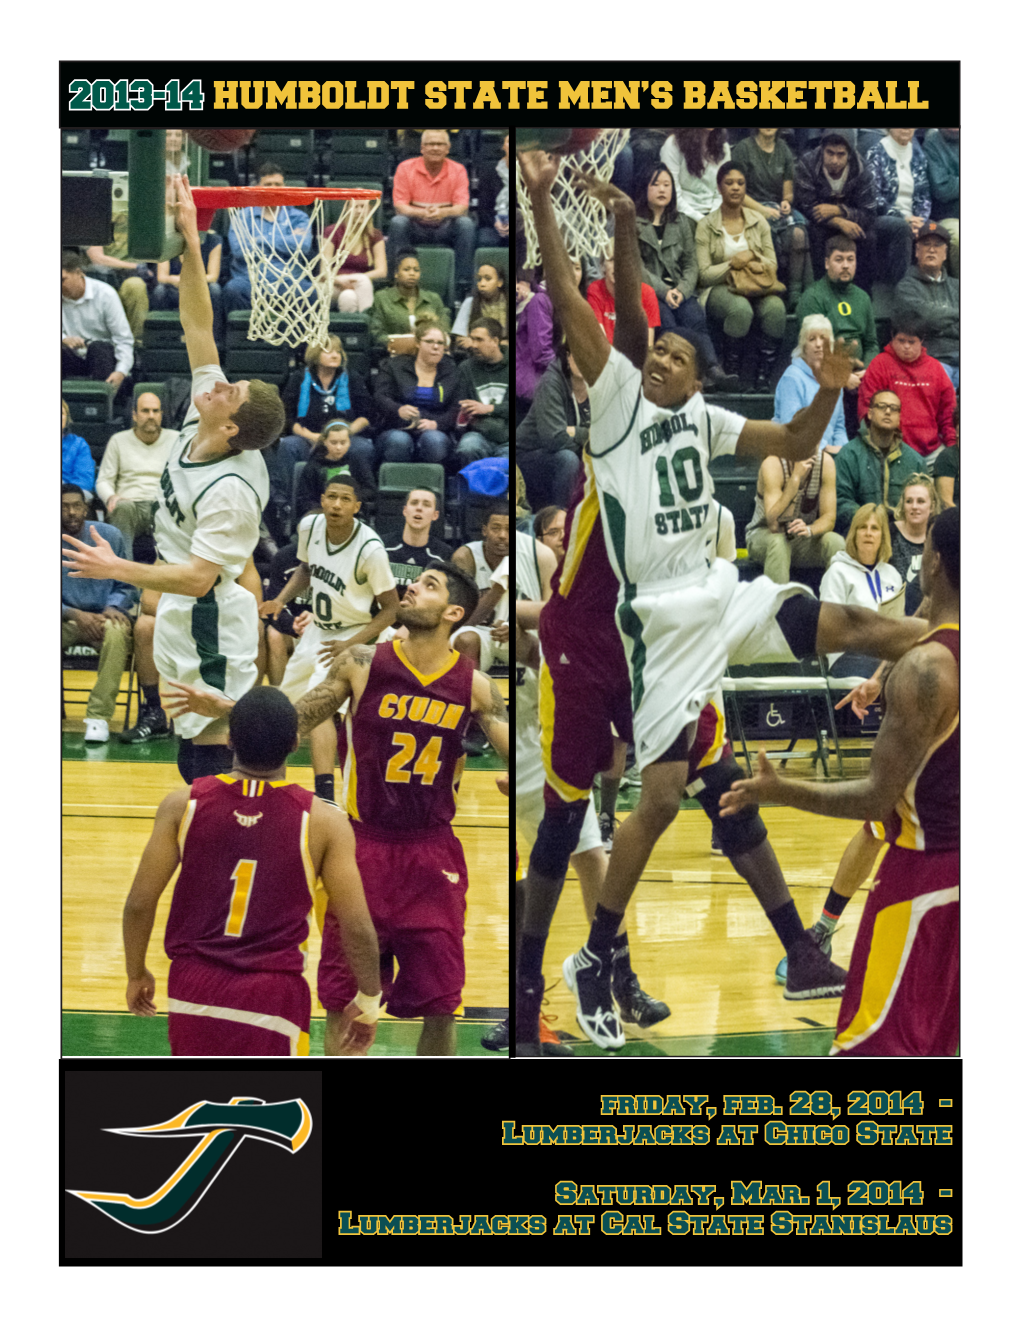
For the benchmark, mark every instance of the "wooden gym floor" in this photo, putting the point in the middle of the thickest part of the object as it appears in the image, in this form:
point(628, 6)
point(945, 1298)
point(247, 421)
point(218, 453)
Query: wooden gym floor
point(110, 795)
point(700, 941)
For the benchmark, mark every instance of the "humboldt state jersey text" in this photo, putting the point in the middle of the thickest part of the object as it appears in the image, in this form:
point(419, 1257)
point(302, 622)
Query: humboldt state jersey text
point(170, 496)
point(659, 432)
point(331, 579)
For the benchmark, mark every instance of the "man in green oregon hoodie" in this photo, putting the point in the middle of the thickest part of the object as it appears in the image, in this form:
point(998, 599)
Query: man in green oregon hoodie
point(874, 466)
point(849, 310)
point(487, 409)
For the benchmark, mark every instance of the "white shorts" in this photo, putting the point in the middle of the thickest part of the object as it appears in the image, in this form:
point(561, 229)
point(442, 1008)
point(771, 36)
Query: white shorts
point(529, 802)
point(679, 639)
point(491, 653)
point(210, 643)
point(304, 668)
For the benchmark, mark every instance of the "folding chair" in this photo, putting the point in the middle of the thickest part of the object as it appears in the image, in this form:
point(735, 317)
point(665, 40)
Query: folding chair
point(802, 684)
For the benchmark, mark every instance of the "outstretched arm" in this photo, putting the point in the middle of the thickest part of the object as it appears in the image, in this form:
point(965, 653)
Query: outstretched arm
point(159, 861)
point(195, 302)
point(922, 697)
point(798, 438)
point(584, 335)
point(631, 334)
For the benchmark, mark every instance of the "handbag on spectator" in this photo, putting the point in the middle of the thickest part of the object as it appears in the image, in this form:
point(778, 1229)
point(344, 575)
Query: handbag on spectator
point(751, 284)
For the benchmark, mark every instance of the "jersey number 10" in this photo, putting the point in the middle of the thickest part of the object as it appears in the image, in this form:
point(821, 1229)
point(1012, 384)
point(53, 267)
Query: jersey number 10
point(689, 490)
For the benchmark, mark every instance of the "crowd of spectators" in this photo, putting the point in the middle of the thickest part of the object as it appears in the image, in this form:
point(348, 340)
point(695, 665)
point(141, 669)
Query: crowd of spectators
point(433, 389)
point(761, 248)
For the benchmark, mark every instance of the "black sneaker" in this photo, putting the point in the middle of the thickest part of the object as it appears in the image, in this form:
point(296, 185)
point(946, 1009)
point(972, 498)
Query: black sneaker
point(716, 846)
point(590, 982)
point(809, 973)
point(635, 1005)
point(497, 1037)
point(152, 724)
point(607, 824)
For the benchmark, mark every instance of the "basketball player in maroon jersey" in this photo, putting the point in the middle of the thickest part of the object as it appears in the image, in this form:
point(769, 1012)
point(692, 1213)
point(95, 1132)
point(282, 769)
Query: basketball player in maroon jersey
point(903, 989)
point(410, 704)
point(250, 846)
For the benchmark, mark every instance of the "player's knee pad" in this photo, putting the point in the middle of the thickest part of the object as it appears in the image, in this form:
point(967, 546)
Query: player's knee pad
point(735, 834)
point(798, 620)
point(559, 833)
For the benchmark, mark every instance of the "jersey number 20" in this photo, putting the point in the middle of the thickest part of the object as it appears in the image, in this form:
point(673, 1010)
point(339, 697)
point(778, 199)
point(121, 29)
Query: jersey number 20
point(427, 764)
point(689, 489)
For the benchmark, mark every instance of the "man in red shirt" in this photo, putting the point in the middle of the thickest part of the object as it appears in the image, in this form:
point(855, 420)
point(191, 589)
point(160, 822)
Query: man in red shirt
point(431, 198)
point(925, 392)
point(602, 300)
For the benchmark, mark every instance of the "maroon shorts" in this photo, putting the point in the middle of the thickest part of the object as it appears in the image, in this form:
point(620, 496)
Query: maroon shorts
point(902, 991)
point(416, 889)
point(710, 742)
point(215, 1010)
point(584, 687)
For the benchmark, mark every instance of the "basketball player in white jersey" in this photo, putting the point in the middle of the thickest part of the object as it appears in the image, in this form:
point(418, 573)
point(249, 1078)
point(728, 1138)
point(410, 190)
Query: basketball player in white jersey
point(488, 563)
point(212, 493)
point(344, 568)
point(682, 615)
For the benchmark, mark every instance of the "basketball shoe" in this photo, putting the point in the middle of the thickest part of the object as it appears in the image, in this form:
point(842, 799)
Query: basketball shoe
point(822, 933)
point(810, 973)
point(589, 980)
point(636, 1005)
point(529, 995)
point(498, 1036)
point(152, 723)
point(607, 825)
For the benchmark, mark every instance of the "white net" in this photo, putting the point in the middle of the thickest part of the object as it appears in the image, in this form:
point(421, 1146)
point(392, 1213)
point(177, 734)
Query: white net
point(582, 219)
point(291, 269)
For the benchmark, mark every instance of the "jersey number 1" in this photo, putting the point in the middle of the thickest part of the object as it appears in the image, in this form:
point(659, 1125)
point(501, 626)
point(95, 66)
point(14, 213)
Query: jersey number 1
point(427, 764)
point(689, 490)
point(243, 875)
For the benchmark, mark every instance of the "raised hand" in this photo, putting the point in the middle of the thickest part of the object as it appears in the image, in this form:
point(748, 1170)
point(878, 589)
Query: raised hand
point(538, 169)
point(185, 210)
point(603, 190)
point(836, 367)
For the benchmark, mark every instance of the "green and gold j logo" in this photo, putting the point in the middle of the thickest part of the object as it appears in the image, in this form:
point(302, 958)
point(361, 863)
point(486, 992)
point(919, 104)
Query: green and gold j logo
point(220, 1130)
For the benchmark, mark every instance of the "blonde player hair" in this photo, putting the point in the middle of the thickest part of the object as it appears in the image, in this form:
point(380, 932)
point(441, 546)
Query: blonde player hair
point(863, 515)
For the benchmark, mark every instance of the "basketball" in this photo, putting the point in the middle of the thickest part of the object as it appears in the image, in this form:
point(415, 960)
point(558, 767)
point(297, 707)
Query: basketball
point(580, 138)
point(543, 139)
point(221, 139)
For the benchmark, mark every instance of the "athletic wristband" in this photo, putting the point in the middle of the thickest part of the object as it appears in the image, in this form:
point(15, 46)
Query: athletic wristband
point(369, 1005)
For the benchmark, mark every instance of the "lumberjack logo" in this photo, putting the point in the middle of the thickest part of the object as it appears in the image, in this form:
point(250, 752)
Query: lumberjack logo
point(220, 1130)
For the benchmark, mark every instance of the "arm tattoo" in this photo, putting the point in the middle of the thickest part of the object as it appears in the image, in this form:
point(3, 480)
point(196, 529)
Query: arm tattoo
point(330, 695)
point(496, 712)
point(319, 705)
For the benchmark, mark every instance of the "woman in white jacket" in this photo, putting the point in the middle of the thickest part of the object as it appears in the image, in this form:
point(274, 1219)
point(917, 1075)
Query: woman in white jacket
point(862, 575)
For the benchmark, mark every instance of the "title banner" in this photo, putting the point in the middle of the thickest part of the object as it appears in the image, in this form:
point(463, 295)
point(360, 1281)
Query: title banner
point(246, 94)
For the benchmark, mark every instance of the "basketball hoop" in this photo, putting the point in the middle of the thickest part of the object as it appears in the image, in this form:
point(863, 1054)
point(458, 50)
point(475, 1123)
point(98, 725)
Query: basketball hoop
point(582, 219)
point(291, 290)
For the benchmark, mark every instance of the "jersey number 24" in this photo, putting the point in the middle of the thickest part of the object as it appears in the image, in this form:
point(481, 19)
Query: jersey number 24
point(427, 764)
